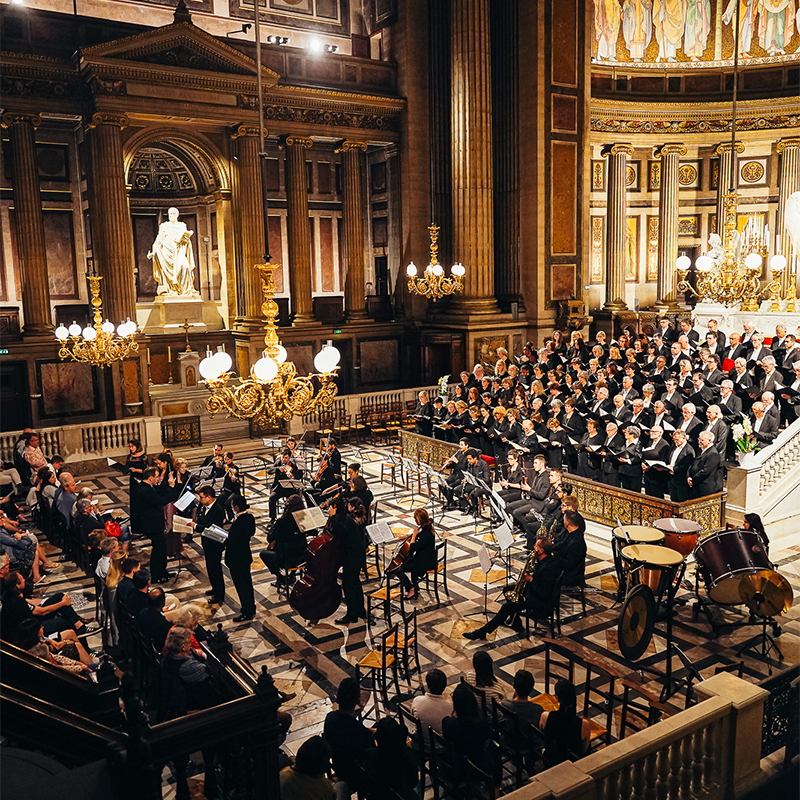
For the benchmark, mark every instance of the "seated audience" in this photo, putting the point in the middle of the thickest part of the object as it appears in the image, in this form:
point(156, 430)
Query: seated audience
point(482, 676)
point(467, 729)
point(307, 778)
point(391, 763)
point(433, 707)
point(566, 735)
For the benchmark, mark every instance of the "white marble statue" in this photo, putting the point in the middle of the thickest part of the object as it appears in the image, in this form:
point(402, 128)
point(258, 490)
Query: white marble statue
point(717, 251)
point(791, 221)
point(173, 258)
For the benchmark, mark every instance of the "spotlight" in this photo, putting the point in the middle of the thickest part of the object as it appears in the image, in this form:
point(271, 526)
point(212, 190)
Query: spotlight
point(271, 39)
point(317, 45)
point(245, 27)
point(331, 48)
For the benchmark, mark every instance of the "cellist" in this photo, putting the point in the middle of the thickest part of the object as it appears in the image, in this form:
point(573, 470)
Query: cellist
point(421, 553)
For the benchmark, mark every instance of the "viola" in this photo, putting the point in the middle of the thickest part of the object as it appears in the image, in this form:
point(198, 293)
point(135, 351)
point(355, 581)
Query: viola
point(318, 594)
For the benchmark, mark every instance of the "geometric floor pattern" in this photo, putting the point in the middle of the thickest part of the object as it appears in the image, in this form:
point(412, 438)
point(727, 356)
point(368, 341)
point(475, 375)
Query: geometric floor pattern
point(310, 660)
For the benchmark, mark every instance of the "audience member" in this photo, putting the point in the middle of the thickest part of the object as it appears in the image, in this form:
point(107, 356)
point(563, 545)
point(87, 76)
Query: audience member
point(152, 620)
point(433, 707)
point(391, 763)
point(467, 729)
point(482, 676)
point(307, 778)
point(566, 735)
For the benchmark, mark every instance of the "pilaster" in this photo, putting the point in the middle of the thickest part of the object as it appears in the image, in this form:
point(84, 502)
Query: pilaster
point(788, 184)
point(616, 215)
point(353, 230)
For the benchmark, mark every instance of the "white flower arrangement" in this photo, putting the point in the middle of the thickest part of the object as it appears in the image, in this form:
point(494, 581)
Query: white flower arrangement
point(743, 437)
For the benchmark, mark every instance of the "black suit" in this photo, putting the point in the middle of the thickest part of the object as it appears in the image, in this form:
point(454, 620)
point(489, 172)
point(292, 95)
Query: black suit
point(731, 408)
point(479, 470)
point(630, 472)
point(692, 429)
point(656, 479)
point(150, 501)
point(720, 431)
point(423, 414)
point(610, 468)
point(769, 383)
point(213, 515)
point(283, 472)
point(706, 473)
point(238, 559)
point(768, 431)
point(589, 463)
point(678, 488)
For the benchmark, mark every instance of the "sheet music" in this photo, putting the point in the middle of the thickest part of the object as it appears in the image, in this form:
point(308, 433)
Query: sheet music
point(180, 525)
point(215, 533)
point(484, 560)
point(504, 536)
point(292, 484)
point(110, 462)
point(380, 533)
point(308, 519)
point(184, 501)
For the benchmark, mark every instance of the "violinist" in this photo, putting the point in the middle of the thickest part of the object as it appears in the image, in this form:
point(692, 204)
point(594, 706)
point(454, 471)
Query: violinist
point(216, 459)
point(329, 470)
point(342, 527)
point(286, 542)
point(358, 485)
point(166, 472)
point(286, 469)
point(231, 485)
point(184, 482)
point(136, 464)
point(421, 555)
point(457, 464)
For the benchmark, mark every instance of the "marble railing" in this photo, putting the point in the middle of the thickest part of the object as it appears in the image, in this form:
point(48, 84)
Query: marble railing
point(710, 751)
point(763, 481)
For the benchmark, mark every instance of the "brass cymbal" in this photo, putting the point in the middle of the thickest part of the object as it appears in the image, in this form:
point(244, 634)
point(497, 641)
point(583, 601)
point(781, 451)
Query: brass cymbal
point(766, 593)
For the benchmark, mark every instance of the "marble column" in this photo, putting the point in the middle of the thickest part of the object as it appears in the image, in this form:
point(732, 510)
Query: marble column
point(616, 217)
point(249, 209)
point(670, 155)
point(788, 183)
point(353, 213)
point(297, 224)
point(112, 229)
point(471, 154)
point(724, 178)
point(31, 250)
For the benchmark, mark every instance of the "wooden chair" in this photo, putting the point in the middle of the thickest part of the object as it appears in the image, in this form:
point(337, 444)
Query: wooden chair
point(361, 428)
point(639, 706)
point(290, 575)
point(554, 616)
point(409, 423)
point(393, 466)
point(378, 429)
point(377, 663)
point(454, 775)
point(519, 742)
point(326, 426)
point(408, 642)
point(576, 592)
point(385, 595)
point(419, 743)
point(441, 569)
point(342, 429)
point(480, 694)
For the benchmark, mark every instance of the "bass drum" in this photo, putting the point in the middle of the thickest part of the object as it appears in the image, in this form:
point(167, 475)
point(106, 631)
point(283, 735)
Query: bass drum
point(724, 557)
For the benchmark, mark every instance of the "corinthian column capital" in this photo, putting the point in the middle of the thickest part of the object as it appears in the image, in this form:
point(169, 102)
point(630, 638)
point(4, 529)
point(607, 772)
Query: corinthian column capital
point(11, 118)
point(669, 149)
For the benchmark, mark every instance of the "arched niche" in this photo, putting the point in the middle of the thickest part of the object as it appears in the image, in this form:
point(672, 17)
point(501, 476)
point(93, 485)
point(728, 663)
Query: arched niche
point(165, 168)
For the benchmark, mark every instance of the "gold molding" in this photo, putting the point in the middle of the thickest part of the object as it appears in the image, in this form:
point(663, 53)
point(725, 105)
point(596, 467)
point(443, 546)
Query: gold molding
point(108, 118)
point(784, 143)
point(346, 145)
point(617, 149)
point(299, 141)
point(669, 149)
point(725, 147)
point(16, 117)
point(240, 131)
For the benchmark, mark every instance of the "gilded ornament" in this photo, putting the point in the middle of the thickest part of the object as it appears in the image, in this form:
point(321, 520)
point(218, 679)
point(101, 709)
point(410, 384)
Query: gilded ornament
point(752, 171)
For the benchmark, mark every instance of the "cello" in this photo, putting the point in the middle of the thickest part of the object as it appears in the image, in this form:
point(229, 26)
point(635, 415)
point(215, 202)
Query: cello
point(318, 593)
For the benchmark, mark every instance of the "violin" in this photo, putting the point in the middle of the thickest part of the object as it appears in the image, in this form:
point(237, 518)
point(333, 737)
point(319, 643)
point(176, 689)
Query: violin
point(323, 465)
point(318, 593)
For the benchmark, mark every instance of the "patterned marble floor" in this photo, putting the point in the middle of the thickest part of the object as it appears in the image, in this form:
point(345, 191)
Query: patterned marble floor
point(310, 660)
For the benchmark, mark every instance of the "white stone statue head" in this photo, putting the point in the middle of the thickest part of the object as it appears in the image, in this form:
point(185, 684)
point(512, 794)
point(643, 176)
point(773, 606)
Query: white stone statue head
point(173, 213)
point(715, 240)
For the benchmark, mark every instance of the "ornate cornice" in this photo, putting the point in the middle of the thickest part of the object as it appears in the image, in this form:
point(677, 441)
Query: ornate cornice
point(613, 116)
point(11, 118)
point(669, 149)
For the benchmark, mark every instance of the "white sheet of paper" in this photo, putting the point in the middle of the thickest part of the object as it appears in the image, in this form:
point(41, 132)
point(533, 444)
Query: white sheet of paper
point(216, 534)
point(180, 525)
point(309, 518)
point(380, 533)
point(110, 461)
point(505, 538)
point(484, 560)
point(184, 501)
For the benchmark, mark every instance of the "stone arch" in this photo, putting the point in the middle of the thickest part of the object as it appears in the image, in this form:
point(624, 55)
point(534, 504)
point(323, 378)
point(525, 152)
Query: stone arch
point(202, 153)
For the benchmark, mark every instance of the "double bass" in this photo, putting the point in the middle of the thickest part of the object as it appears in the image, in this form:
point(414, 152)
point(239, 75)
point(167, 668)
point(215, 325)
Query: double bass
point(318, 594)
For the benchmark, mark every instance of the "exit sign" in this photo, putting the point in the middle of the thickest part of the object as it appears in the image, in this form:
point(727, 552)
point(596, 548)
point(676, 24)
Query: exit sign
point(3, 351)
point(338, 330)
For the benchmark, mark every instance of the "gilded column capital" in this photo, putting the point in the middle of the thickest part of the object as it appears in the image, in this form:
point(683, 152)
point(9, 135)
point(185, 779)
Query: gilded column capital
point(16, 118)
point(669, 149)
point(346, 145)
point(296, 141)
point(783, 144)
point(725, 147)
point(617, 150)
point(108, 118)
point(241, 131)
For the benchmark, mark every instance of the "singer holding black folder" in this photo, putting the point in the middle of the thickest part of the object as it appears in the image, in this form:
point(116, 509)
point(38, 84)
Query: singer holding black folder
point(135, 465)
point(212, 513)
point(423, 415)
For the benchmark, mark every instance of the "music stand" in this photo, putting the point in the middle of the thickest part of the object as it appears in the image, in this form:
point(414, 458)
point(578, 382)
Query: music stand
point(485, 561)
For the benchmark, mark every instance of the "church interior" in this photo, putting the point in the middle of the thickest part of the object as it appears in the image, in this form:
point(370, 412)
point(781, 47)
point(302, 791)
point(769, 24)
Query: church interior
point(378, 271)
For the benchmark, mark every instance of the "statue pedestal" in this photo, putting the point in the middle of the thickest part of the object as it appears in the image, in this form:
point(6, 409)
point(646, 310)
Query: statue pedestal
point(167, 314)
point(730, 319)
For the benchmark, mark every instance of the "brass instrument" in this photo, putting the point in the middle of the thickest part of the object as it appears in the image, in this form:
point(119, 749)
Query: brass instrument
point(514, 595)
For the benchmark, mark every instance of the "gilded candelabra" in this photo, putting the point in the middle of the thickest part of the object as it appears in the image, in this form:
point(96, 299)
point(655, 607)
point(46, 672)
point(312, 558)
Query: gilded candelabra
point(97, 344)
point(274, 391)
point(730, 279)
point(433, 283)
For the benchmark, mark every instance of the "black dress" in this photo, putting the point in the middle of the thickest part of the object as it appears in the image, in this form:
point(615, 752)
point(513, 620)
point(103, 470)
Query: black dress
point(421, 557)
point(135, 462)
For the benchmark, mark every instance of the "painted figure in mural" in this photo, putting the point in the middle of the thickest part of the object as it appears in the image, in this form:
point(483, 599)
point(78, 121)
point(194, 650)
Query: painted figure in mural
point(637, 26)
point(173, 258)
point(698, 26)
point(669, 18)
point(747, 12)
point(775, 25)
point(791, 221)
point(607, 18)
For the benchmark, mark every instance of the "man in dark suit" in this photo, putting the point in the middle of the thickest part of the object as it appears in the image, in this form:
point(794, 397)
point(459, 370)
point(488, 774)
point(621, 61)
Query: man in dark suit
point(479, 469)
point(238, 557)
point(534, 493)
point(747, 336)
point(151, 497)
point(689, 422)
point(765, 429)
point(423, 414)
point(672, 398)
point(729, 404)
point(641, 416)
point(612, 446)
point(686, 330)
point(537, 597)
point(771, 379)
point(705, 472)
point(667, 332)
point(718, 429)
point(630, 460)
point(656, 477)
point(601, 405)
point(679, 462)
point(757, 354)
point(701, 390)
point(457, 464)
point(212, 512)
point(791, 405)
point(792, 353)
point(152, 620)
point(621, 412)
point(714, 328)
point(736, 349)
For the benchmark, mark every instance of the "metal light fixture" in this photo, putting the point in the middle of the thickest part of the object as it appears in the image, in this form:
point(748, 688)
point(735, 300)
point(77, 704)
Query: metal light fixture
point(735, 275)
point(433, 283)
point(96, 344)
point(274, 391)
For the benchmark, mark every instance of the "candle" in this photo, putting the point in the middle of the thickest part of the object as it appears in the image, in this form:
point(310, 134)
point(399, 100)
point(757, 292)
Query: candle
point(169, 353)
point(148, 356)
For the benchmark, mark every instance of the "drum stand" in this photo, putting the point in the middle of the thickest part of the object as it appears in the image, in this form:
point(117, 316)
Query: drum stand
point(761, 644)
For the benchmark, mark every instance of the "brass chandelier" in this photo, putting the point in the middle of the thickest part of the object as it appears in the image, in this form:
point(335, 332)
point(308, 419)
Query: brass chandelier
point(97, 344)
point(274, 391)
point(433, 283)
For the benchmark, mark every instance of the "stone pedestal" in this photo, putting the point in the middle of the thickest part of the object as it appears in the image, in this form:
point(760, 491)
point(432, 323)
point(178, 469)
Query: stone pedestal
point(172, 312)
